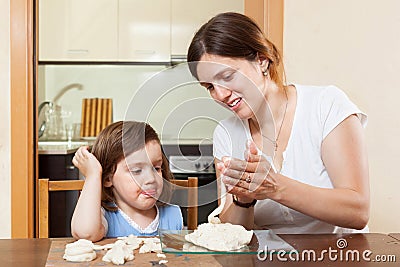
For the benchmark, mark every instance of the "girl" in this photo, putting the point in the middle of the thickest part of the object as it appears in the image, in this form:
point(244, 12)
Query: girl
point(124, 176)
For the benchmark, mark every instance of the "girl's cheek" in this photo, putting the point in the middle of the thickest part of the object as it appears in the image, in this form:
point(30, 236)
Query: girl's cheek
point(160, 184)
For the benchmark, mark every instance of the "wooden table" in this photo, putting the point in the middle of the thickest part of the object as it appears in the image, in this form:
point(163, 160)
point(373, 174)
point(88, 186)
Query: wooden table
point(24, 252)
point(395, 235)
point(34, 252)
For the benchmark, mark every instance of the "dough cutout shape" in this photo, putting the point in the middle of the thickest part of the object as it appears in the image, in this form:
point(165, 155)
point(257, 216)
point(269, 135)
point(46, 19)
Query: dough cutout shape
point(119, 254)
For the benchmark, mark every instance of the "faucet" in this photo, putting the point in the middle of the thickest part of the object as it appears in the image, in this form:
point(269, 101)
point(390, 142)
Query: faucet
point(65, 89)
point(53, 104)
point(42, 126)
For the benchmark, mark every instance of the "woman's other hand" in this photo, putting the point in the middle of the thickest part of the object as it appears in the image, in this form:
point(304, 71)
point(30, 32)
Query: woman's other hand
point(87, 163)
point(249, 179)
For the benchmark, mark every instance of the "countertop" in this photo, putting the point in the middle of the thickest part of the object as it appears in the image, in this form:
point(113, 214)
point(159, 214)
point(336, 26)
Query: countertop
point(61, 147)
point(186, 141)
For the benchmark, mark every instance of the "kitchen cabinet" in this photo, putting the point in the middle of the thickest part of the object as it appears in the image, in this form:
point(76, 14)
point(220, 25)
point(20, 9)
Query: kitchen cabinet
point(144, 30)
point(78, 30)
point(187, 16)
point(123, 30)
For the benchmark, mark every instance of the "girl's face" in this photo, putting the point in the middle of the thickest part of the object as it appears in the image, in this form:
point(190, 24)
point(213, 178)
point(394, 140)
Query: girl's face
point(138, 182)
point(238, 84)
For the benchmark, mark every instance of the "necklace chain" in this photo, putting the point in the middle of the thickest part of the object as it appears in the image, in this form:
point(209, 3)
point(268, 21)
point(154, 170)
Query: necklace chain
point(275, 142)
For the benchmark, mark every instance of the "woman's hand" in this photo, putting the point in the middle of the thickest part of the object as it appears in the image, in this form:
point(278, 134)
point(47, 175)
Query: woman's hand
point(249, 179)
point(87, 163)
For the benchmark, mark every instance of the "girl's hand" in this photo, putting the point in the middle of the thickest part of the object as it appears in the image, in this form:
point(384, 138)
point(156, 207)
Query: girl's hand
point(87, 163)
point(249, 179)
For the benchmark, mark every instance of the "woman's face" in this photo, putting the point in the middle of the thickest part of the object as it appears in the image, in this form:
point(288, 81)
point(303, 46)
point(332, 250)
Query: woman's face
point(138, 182)
point(238, 84)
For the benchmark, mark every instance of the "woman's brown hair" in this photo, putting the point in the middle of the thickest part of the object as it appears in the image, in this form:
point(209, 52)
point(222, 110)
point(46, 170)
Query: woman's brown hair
point(237, 36)
point(119, 140)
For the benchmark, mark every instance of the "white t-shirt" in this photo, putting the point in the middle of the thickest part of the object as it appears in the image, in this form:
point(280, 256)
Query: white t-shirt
point(319, 110)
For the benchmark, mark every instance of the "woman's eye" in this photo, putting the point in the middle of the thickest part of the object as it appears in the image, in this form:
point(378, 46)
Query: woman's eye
point(209, 87)
point(136, 171)
point(228, 77)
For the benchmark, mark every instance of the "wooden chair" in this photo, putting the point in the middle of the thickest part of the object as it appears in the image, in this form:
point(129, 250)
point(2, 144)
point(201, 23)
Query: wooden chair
point(46, 186)
point(191, 184)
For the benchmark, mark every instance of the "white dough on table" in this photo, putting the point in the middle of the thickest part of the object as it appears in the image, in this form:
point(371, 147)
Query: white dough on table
point(81, 257)
point(220, 237)
point(103, 247)
point(80, 251)
point(150, 245)
point(119, 253)
point(132, 241)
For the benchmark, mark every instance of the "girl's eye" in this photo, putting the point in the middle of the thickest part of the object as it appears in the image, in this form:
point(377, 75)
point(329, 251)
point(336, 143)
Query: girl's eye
point(157, 169)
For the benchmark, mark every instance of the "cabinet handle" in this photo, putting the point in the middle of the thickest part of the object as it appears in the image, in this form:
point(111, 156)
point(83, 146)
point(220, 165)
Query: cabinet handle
point(70, 167)
point(145, 52)
point(78, 51)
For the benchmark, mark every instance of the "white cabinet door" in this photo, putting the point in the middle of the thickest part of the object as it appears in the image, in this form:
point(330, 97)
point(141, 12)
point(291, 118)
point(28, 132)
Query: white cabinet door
point(144, 30)
point(188, 16)
point(83, 30)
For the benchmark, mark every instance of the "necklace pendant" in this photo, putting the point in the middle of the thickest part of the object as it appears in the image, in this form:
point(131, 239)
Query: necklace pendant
point(276, 145)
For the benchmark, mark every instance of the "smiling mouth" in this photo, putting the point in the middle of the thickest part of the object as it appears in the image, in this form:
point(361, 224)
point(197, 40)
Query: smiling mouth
point(235, 102)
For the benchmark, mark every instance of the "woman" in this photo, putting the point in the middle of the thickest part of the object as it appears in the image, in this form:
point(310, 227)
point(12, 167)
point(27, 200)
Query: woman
point(293, 158)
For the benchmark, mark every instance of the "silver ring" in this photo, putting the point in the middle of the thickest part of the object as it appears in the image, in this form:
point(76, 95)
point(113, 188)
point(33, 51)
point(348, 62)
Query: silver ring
point(248, 179)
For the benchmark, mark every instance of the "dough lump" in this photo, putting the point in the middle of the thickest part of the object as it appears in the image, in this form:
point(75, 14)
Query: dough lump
point(80, 251)
point(220, 237)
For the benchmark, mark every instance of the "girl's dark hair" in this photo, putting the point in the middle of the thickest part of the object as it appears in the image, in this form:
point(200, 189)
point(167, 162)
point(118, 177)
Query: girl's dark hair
point(119, 140)
point(237, 36)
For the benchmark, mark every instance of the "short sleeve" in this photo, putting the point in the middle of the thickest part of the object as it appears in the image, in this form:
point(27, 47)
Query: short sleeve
point(221, 146)
point(179, 222)
point(104, 220)
point(336, 107)
point(170, 217)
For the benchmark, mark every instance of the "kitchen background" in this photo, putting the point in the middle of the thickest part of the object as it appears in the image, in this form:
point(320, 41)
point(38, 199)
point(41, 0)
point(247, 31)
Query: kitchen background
point(352, 44)
point(122, 83)
point(126, 42)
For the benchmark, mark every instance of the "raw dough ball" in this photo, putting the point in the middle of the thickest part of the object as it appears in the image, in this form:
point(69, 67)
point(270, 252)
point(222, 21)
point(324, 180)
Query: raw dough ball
point(220, 237)
point(81, 257)
point(79, 251)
